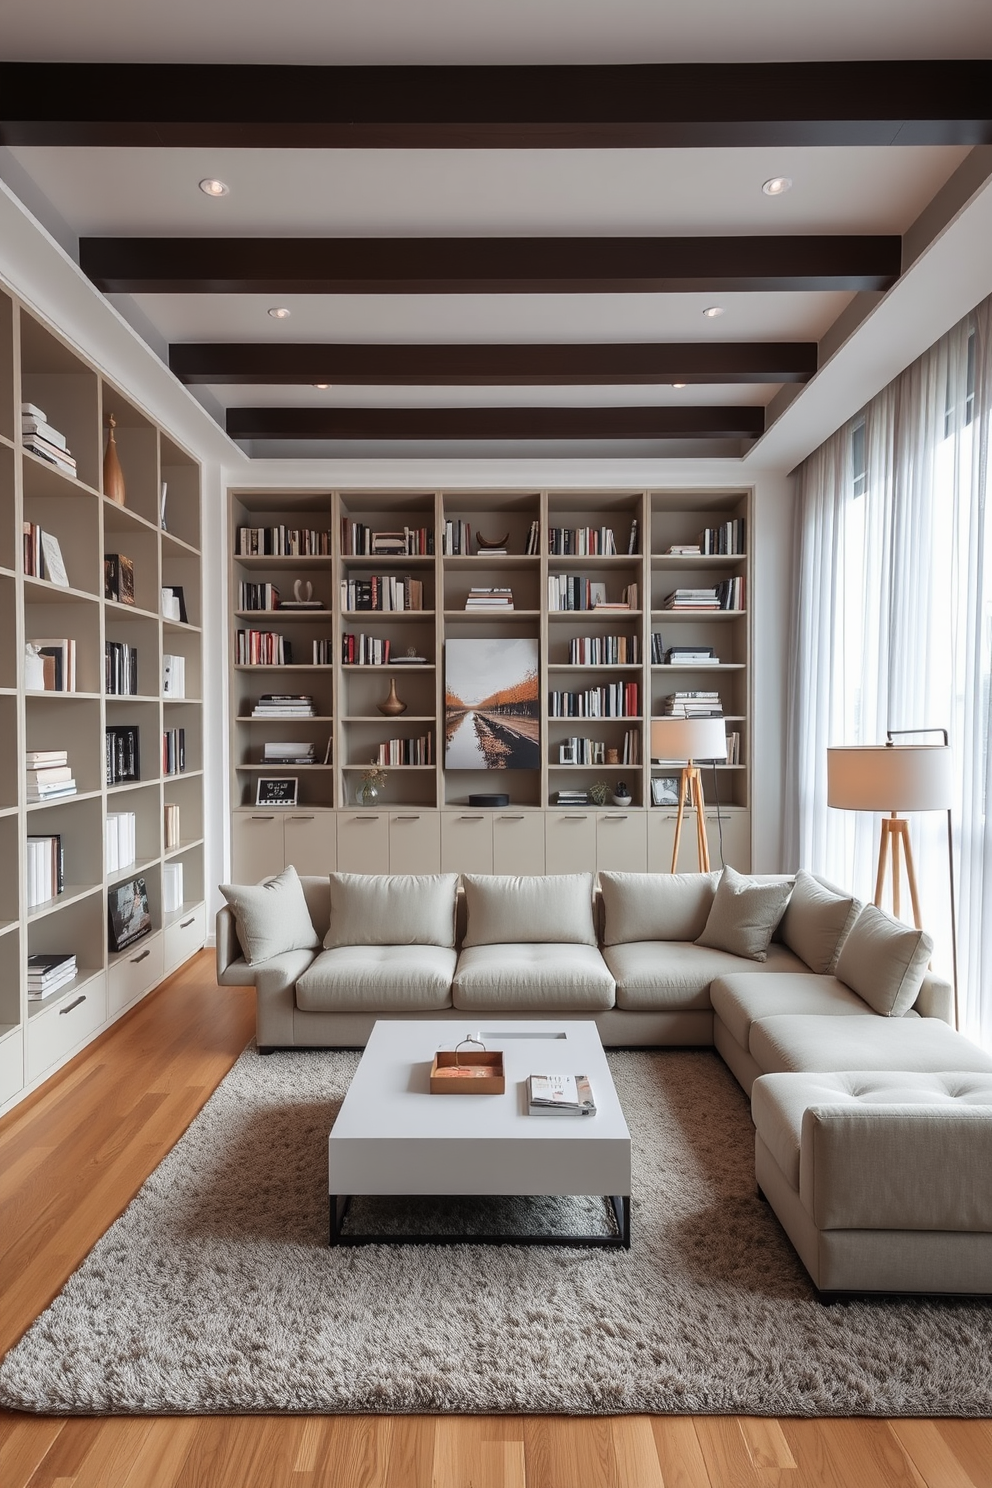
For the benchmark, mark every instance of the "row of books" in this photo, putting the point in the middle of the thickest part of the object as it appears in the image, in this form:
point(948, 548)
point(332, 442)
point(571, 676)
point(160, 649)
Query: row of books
point(171, 824)
point(496, 598)
point(43, 556)
point(172, 887)
point(365, 650)
point(418, 751)
point(45, 868)
point(120, 840)
point(173, 751)
point(282, 542)
point(582, 541)
point(382, 592)
point(702, 704)
point(728, 595)
point(123, 756)
point(51, 662)
point(257, 596)
point(612, 650)
point(688, 655)
point(42, 438)
point(575, 592)
point(733, 747)
point(323, 652)
point(47, 972)
point(284, 705)
point(583, 751)
point(262, 648)
point(729, 537)
point(49, 775)
point(456, 538)
point(357, 540)
point(611, 700)
point(120, 669)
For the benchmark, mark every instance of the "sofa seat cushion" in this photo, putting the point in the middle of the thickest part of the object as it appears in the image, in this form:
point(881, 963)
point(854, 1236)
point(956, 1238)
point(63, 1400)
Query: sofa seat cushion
point(377, 979)
point(656, 975)
point(739, 1000)
point(802, 1041)
point(529, 977)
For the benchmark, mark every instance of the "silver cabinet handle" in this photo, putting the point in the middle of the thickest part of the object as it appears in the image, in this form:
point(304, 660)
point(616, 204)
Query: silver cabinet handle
point(615, 816)
point(70, 1005)
point(301, 818)
point(406, 818)
point(185, 924)
point(143, 957)
point(471, 818)
point(519, 817)
point(263, 818)
point(365, 818)
point(575, 818)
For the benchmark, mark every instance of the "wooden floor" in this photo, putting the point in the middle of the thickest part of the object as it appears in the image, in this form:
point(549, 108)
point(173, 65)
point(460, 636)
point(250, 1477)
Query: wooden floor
point(71, 1159)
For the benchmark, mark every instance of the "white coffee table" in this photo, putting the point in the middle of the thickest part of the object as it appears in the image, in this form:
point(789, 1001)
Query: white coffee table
point(393, 1137)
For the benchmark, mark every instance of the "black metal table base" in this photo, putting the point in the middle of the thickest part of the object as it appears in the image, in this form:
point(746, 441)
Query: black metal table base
point(619, 1205)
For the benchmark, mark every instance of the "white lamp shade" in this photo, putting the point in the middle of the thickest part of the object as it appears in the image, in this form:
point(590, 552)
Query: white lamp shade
point(886, 777)
point(688, 739)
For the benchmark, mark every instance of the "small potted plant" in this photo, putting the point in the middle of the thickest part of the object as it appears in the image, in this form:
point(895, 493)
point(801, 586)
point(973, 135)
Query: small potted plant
point(373, 784)
point(599, 792)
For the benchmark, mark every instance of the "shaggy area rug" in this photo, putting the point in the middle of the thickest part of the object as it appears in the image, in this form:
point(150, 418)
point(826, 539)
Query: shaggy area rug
point(216, 1291)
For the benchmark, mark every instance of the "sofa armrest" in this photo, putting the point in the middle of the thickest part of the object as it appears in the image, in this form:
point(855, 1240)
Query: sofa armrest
point(935, 999)
point(232, 968)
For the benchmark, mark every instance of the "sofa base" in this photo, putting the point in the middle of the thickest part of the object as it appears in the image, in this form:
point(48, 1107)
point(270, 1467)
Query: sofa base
point(617, 1028)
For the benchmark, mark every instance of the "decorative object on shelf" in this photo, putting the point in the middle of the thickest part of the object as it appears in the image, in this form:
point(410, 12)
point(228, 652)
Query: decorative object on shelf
point(113, 475)
point(621, 794)
point(118, 578)
point(613, 757)
point(34, 669)
point(690, 739)
point(599, 792)
point(489, 799)
point(411, 657)
point(391, 703)
point(491, 544)
point(492, 715)
point(372, 786)
point(276, 790)
point(128, 915)
point(891, 778)
point(174, 603)
point(664, 790)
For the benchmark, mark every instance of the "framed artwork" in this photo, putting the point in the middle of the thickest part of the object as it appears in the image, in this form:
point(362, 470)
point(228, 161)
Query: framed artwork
point(665, 790)
point(492, 716)
point(276, 790)
point(128, 915)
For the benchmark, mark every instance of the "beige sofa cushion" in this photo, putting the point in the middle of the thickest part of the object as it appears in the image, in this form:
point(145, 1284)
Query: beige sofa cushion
point(745, 912)
point(538, 908)
point(884, 961)
point(271, 917)
point(816, 921)
point(798, 1041)
point(377, 979)
point(531, 978)
point(652, 976)
point(739, 1001)
point(382, 909)
point(655, 906)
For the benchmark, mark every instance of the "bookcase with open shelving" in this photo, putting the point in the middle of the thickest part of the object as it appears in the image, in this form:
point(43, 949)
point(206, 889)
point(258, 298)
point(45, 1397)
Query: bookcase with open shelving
point(39, 367)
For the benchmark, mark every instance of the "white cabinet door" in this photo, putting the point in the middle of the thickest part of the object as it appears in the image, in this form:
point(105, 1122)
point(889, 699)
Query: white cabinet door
point(736, 829)
point(570, 841)
point(518, 842)
point(466, 842)
point(310, 842)
point(622, 842)
point(414, 842)
point(256, 845)
point(363, 842)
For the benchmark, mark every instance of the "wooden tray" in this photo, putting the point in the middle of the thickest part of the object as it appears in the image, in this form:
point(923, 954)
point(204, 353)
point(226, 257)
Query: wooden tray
point(463, 1079)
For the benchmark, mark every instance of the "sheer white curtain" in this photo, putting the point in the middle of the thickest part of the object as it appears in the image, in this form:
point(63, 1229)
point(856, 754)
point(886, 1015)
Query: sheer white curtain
point(893, 630)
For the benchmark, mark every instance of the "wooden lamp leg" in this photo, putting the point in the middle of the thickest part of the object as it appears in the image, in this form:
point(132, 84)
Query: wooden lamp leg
point(684, 785)
point(702, 845)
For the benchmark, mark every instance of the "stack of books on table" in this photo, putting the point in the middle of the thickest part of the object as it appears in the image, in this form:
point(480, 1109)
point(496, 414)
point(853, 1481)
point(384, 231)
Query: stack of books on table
point(572, 798)
point(691, 656)
point(49, 774)
point(41, 438)
point(283, 705)
point(489, 599)
point(560, 1095)
point(45, 869)
point(692, 705)
point(692, 599)
point(172, 887)
point(47, 973)
point(293, 752)
point(120, 840)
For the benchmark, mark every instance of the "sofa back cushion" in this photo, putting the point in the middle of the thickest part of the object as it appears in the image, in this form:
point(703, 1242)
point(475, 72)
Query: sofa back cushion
point(553, 908)
point(744, 914)
point(816, 921)
point(271, 917)
point(655, 906)
point(371, 909)
point(884, 961)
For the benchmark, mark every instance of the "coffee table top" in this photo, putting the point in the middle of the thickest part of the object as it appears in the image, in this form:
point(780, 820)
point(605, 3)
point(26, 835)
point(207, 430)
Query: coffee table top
point(393, 1136)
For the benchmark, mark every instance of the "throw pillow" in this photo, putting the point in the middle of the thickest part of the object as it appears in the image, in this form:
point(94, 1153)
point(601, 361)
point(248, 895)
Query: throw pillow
point(555, 908)
point(744, 914)
point(816, 922)
point(655, 906)
point(371, 909)
point(271, 917)
point(884, 961)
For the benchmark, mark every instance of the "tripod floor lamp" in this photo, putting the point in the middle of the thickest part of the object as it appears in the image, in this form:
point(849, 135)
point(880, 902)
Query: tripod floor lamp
point(692, 740)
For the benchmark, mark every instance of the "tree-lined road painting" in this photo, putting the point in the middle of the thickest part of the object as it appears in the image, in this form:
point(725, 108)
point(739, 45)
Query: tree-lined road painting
point(491, 705)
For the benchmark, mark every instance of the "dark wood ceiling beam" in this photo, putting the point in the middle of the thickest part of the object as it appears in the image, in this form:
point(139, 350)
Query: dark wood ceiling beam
point(495, 423)
point(561, 265)
point(500, 365)
point(936, 102)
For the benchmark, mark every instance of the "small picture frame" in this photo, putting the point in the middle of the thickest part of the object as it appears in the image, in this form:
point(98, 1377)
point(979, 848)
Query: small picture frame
point(55, 571)
point(128, 916)
point(276, 790)
point(665, 790)
point(597, 593)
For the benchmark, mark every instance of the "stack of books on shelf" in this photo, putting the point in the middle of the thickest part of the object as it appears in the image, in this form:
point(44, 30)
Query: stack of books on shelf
point(729, 538)
point(560, 1095)
point(684, 550)
point(385, 592)
point(171, 824)
point(123, 759)
point(262, 648)
point(174, 676)
point(731, 593)
point(407, 751)
point(690, 655)
point(43, 556)
point(582, 541)
point(288, 752)
point(45, 869)
point(692, 705)
point(575, 592)
point(173, 751)
point(364, 650)
point(172, 887)
point(49, 774)
point(58, 662)
point(456, 538)
point(121, 842)
point(612, 700)
point(284, 705)
point(258, 596)
point(572, 798)
point(282, 542)
point(42, 439)
point(120, 669)
point(489, 599)
point(603, 651)
point(692, 599)
point(48, 972)
point(118, 578)
point(357, 540)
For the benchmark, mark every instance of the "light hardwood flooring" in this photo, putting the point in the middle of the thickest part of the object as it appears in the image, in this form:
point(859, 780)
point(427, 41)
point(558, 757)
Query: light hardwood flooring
point(73, 1156)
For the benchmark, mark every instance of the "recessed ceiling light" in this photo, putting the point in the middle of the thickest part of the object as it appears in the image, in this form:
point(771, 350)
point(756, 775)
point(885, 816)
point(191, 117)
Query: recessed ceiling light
point(712, 311)
point(212, 187)
point(678, 384)
point(279, 312)
point(777, 185)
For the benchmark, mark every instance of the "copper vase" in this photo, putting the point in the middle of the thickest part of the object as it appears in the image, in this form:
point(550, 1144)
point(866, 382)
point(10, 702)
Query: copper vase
point(391, 704)
point(113, 475)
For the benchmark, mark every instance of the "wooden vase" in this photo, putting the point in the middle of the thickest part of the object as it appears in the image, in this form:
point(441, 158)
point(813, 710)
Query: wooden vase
point(391, 704)
point(113, 475)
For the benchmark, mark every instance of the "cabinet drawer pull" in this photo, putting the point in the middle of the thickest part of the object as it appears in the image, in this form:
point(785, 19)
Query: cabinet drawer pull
point(185, 924)
point(471, 818)
point(143, 957)
point(615, 816)
point(301, 818)
point(519, 817)
point(263, 818)
point(365, 818)
point(575, 818)
point(70, 1005)
point(406, 818)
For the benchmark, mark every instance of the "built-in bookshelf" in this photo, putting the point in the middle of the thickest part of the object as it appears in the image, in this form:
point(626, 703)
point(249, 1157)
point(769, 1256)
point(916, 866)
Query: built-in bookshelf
point(374, 594)
point(83, 713)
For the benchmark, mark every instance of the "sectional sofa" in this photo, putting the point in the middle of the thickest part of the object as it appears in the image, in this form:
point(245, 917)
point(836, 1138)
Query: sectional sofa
point(873, 1117)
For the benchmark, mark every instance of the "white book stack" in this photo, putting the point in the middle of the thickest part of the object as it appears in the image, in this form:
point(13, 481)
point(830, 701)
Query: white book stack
point(49, 775)
point(41, 438)
point(121, 840)
point(174, 676)
point(44, 869)
point(47, 973)
point(172, 887)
